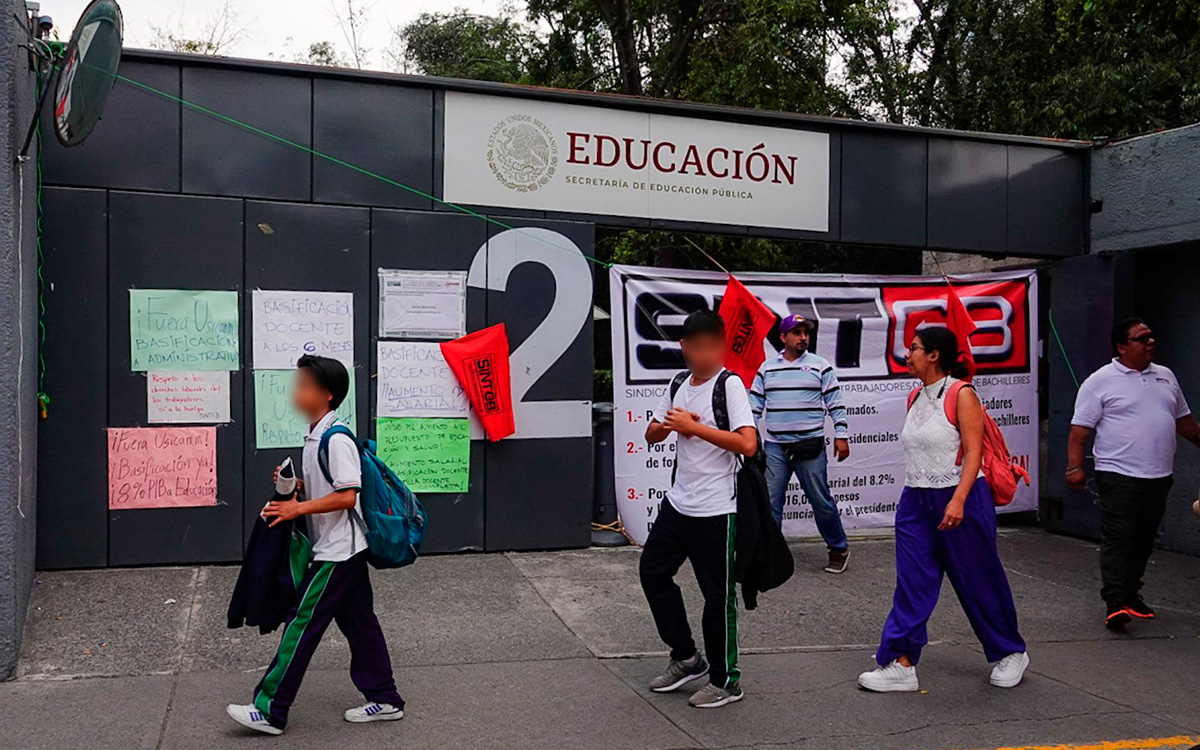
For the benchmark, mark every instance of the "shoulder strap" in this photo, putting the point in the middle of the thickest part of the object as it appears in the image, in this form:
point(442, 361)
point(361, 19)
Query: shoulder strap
point(677, 382)
point(323, 448)
point(951, 402)
point(912, 396)
point(720, 397)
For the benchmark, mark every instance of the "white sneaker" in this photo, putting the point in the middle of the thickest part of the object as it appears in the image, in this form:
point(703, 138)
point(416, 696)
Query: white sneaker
point(250, 717)
point(1008, 671)
point(893, 678)
point(373, 712)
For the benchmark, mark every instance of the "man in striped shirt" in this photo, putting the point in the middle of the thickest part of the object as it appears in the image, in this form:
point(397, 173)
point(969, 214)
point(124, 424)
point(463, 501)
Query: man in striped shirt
point(790, 398)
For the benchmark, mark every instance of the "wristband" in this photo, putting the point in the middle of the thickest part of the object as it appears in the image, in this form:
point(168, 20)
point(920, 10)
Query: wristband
point(1074, 469)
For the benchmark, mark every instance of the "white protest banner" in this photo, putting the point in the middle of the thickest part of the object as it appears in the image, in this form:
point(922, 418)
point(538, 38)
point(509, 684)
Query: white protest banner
point(864, 326)
point(522, 153)
point(422, 304)
point(187, 397)
point(288, 325)
point(415, 381)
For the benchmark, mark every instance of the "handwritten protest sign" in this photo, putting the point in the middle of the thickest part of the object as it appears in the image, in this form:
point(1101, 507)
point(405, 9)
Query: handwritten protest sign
point(430, 455)
point(183, 329)
point(276, 424)
point(415, 381)
point(187, 397)
point(161, 467)
point(288, 325)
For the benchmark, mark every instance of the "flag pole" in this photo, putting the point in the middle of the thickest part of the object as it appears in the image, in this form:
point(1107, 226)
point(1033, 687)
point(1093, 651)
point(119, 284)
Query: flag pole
point(706, 255)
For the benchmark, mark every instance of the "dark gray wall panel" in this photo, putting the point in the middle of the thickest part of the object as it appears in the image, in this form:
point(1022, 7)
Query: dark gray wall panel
point(539, 491)
point(314, 248)
point(386, 129)
point(173, 242)
point(436, 241)
point(967, 195)
point(72, 505)
point(222, 159)
point(1045, 202)
point(135, 146)
point(883, 188)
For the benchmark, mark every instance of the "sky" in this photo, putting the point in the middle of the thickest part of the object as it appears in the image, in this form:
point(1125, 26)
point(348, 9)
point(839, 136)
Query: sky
point(273, 28)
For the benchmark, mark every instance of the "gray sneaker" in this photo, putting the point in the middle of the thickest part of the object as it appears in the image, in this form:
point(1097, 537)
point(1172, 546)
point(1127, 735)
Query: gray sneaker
point(679, 674)
point(711, 696)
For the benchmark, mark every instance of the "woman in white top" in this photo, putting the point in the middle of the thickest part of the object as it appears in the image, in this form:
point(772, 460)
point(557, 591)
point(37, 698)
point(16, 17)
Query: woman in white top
point(945, 525)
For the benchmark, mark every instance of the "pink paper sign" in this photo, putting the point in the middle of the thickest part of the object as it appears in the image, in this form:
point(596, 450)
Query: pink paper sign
point(161, 467)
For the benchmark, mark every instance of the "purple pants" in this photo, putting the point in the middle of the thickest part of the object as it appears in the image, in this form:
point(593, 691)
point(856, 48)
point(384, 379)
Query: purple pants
point(968, 555)
point(332, 592)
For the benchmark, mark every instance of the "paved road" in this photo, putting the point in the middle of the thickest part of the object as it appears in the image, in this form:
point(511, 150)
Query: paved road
point(553, 650)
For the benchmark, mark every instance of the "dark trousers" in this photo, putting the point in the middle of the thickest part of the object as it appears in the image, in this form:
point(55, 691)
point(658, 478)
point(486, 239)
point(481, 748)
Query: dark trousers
point(1130, 511)
point(967, 555)
point(709, 544)
point(332, 592)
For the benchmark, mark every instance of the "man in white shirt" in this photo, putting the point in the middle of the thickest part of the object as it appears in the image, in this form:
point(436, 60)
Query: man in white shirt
point(337, 585)
point(1135, 408)
point(698, 520)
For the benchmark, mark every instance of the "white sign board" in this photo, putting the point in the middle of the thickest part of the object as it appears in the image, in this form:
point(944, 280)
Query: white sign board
point(422, 304)
point(864, 326)
point(415, 381)
point(288, 325)
point(518, 153)
point(187, 397)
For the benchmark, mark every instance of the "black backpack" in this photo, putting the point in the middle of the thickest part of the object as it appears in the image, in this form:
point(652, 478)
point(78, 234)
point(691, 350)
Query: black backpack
point(762, 559)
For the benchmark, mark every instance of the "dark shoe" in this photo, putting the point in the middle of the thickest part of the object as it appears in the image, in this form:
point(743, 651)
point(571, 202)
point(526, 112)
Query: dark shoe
point(838, 558)
point(1118, 618)
point(1140, 609)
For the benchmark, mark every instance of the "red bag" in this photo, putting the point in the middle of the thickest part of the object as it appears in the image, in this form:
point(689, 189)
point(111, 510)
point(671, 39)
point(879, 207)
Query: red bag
point(480, 362)
point(747, 323)
point(999, 470)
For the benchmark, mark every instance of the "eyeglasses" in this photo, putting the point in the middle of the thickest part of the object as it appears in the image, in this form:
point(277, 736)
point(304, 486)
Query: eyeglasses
point(915, 348)
point(1145, 338)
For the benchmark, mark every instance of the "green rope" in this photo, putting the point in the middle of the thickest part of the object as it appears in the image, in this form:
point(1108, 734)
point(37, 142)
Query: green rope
point(1063, 349)
point(341, 162)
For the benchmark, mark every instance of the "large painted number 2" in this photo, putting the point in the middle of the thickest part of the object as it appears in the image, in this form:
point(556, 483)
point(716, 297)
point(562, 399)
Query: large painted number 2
point(493, 264)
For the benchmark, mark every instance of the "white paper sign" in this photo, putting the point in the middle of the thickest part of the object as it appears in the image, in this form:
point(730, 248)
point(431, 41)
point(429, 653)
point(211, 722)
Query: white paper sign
point(288, 325)
point(415, 381)
point(422, 304)
point(187, 397)
point(520, 153)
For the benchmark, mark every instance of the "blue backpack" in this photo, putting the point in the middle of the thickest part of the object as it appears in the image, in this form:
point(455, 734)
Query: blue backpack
point(393, 519)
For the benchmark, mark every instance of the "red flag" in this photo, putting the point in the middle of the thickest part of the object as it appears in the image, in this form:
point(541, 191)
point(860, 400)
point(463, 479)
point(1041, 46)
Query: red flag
point(480, 362)
point(747, 322)
point(959, 321)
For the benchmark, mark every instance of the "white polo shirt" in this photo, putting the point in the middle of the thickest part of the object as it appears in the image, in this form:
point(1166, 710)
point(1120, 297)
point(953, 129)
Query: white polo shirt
point(335, 536)
point(1133, 413)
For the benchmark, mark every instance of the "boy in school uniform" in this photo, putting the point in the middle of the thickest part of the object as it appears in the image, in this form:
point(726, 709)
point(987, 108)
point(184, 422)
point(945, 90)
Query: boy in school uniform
point(698, 519)
point(337, 587)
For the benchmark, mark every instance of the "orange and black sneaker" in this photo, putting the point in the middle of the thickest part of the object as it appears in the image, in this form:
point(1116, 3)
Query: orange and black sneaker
point(1118, 617)
point(1140, 609)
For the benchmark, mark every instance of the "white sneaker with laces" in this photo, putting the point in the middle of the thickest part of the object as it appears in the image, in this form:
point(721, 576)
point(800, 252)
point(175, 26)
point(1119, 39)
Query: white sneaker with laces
point(892, 678)
point(250, 717)
point(1008, 671)
point(373, 712)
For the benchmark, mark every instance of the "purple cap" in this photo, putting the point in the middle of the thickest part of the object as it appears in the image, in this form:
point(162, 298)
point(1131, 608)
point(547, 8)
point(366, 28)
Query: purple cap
point(792, 321)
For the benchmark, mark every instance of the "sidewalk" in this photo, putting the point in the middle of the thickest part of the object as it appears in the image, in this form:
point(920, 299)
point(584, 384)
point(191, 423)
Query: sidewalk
point(553, 650)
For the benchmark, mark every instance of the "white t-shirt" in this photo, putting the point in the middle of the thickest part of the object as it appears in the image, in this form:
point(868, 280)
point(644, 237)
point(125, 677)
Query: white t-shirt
point(335, 536)
point(1133, 413)
point(707, 475)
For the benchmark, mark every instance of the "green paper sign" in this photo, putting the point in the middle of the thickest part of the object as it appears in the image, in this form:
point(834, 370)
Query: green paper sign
point(183, 329)
point(430, 455)
point(276, 424)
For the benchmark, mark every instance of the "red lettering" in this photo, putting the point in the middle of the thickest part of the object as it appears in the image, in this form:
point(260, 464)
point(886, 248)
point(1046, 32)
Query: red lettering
point(692, 158)
point(657, 164)
point(629, 153)
point(577, 148)
point(711, 169)
point(616, 154)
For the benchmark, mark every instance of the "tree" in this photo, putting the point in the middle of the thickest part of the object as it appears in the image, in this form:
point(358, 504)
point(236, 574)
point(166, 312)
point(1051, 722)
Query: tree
point(323, 53)
point(462, 45)
point(220, 31)
point(352, 18)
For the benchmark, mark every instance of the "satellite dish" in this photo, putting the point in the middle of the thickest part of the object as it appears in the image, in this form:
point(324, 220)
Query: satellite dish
point(89, 70)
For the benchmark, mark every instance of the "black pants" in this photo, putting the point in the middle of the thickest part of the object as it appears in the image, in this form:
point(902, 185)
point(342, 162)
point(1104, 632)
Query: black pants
point(1130, 511)
point(709, 544)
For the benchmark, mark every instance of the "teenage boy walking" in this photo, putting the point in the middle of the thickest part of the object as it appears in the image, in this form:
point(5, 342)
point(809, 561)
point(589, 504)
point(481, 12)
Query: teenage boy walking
point(337, 586)
point(791, 395)
point(698, 520)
